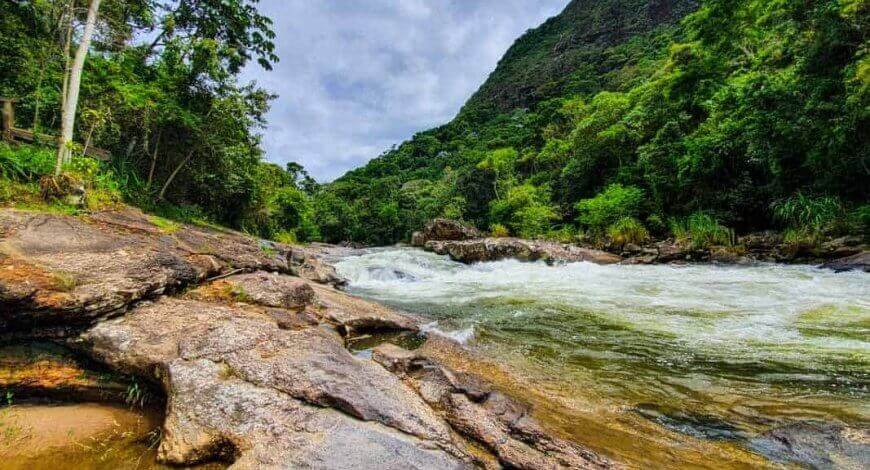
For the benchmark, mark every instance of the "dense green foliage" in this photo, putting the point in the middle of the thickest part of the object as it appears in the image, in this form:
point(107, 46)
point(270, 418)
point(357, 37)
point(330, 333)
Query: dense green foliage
point(617, 120)
point(620, 115)
point(160, 91)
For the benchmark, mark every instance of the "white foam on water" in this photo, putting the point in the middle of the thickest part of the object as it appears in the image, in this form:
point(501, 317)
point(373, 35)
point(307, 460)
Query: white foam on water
point(704, 306)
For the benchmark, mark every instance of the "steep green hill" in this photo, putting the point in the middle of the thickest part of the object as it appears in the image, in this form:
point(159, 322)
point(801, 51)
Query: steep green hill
point(620, 118)
point(571, 53)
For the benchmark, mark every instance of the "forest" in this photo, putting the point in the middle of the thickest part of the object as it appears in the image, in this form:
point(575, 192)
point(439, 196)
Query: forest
point(739, 116)
point(616, 120)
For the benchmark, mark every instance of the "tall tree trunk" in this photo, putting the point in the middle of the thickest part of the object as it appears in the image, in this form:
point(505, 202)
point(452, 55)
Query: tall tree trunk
point(75, 80)
point(153, 162)
point(172, 176)
point(38, 93)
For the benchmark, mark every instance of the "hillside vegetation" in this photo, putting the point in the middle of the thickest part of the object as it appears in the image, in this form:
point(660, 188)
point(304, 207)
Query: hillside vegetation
point(627, 118)
point(160, 90)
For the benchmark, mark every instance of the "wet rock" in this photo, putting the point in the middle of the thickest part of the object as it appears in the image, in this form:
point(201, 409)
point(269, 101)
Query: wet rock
point(354, 314)
point(444, 230)
point(494, 249)
point(47, 370)
point(384, 273)
point(669, 251)
point(858, 262)
point(239, 385)
point(692, 424)
point(500, 424)
point(311, 266)
point(816, 445)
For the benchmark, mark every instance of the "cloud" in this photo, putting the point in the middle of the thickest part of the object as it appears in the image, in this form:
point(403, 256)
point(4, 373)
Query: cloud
point(357, 77)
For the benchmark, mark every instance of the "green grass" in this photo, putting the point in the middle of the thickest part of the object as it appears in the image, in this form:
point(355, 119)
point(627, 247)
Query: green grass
point(627, 230)
point(701, 230)
point(64, 282)
point(165, 225)
point(499, 231)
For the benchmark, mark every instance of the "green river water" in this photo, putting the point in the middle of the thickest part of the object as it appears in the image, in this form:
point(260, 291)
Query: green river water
point(655, 366)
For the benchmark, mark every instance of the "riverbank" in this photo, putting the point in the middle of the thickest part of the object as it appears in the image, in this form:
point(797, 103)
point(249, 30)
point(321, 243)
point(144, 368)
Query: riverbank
point(468, 245)
point(247, 341)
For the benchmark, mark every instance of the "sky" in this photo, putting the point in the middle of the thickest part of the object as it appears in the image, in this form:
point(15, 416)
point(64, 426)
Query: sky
point(359, 76)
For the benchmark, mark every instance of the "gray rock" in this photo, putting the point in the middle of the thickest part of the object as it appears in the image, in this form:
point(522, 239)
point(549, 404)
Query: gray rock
point(354, 314)
point(494, 249)
point(859, 262)
point(239, 385)
point(274, 289)
point(500, 424)
point(214, 414)
point(444, 230)
point(816, 445)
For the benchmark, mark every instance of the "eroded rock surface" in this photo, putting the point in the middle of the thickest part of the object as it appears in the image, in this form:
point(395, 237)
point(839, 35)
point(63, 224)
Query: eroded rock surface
point(252, 359)
point(501, 424)
point(46, 370)
point(205, 354)
point(59, 272)
point(494, 249)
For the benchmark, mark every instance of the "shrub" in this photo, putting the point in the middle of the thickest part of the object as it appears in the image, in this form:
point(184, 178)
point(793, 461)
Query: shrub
point(701, 230)
point(859, 218)
point(286, 237)
point(525, 209)
point(613, 204)
point(499, 231)
point(566, 234)
point(797, 239)
point(627, 230)
point(822, 214)
point(25, 162)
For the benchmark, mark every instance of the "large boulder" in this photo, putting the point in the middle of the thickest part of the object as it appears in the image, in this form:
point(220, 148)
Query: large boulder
point(857, 262)
point(444, 230)
point(494, 249)
point(59, 273)
point(239, 386)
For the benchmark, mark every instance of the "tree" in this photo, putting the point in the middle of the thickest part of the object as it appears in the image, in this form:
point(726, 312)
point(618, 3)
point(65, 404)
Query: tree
point(72, 84)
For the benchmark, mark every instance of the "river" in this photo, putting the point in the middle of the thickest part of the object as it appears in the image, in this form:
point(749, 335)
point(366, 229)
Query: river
point(653, 365)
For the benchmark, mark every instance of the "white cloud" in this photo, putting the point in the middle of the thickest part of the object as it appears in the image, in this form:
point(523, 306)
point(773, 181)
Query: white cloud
point(357, 77)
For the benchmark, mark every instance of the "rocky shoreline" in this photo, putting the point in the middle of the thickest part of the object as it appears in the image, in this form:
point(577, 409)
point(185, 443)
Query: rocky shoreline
point(468, 245)
point(247, 341)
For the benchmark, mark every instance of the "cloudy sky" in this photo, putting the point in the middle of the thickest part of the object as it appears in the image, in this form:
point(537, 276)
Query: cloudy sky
point(358, 76)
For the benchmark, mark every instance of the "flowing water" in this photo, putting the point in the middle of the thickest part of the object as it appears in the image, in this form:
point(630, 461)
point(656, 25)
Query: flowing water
point(655, 365)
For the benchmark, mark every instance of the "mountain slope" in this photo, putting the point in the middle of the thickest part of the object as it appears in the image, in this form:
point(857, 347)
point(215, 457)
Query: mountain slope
point(635, 117)
point(569, 52)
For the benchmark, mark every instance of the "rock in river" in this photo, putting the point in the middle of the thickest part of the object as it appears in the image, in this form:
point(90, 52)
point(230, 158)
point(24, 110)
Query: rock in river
point(442, 230)
point(494, 249)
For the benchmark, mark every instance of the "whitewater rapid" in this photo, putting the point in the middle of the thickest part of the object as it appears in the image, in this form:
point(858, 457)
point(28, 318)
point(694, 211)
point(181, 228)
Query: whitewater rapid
point(708, 306)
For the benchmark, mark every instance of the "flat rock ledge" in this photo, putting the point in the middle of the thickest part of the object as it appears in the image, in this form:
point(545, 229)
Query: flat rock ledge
point(494, 249)
point(239, 387)
point(59, 273)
